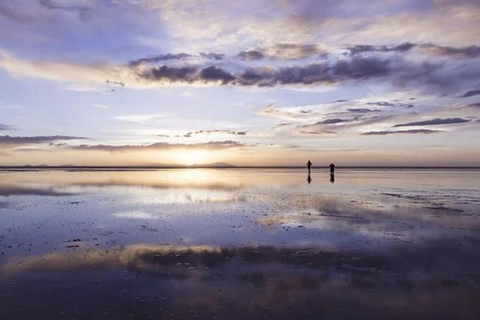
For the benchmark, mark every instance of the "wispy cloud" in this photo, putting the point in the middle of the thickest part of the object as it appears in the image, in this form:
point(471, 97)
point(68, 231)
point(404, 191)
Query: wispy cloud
point(414, 131)
point(214, 145)
point(433, 122)
point(9, 141)
point(4, 127)
point(214, 132)
point(470, 93)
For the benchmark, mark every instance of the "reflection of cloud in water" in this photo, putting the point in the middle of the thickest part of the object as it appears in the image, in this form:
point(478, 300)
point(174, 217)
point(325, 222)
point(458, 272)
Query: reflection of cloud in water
point(21, 190)
point(374, 217)
point(254, 282)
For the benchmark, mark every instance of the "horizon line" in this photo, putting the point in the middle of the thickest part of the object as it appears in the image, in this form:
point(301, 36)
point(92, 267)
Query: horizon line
point(142, 167)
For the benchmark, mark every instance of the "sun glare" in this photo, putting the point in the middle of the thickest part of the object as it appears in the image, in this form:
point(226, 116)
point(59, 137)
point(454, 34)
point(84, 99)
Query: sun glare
point(192, 157)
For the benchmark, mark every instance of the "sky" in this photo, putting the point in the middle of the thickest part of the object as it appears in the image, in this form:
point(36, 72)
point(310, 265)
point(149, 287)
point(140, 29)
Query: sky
point(264, 82)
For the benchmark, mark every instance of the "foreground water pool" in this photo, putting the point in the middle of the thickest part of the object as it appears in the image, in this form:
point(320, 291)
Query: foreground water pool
point(240, 244)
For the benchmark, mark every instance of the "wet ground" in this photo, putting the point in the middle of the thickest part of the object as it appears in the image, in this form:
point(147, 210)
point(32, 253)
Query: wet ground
point(240, 244)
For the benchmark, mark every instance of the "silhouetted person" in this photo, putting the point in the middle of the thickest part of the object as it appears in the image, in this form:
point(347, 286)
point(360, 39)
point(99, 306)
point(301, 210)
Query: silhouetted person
point(309, 166)
point(332, 177)
point(332, 168)
point(309, 179)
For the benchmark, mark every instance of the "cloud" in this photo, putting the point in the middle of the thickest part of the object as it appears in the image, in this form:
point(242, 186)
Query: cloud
point(9, 141)
point(470, 93)
point(452, 52)
point(381, 104)
point(333, 121)
point(160, 58)
point(4, 127)
point(89, 74)
point(215, 145)
point(362, 110)
point(431, 49)
point(325, 126)
point(281, 51)
point(433, 122)
point(357, 49)
point(427, 75)
point(414, 131)
point(251, 55)
point(395, 70)
point(215, 132)
point(473, 105)
point(185, 75)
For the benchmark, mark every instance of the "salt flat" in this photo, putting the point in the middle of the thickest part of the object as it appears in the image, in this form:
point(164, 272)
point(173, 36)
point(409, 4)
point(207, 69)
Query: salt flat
point(240, 243)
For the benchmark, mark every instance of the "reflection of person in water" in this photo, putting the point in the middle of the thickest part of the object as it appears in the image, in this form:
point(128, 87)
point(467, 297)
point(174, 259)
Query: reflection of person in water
point(332, 172)
point(309, 166)
point(332, 168)
point(309, 179)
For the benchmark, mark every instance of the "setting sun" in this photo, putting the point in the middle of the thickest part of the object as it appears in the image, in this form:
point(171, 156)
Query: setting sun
point(191, 157)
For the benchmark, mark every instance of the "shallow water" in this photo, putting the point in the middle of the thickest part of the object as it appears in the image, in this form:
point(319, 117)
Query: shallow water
point(240, 243)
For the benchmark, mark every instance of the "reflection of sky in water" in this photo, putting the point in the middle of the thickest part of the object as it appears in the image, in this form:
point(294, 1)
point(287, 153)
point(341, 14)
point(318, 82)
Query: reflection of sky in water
point(363, 208)
point(177, 241)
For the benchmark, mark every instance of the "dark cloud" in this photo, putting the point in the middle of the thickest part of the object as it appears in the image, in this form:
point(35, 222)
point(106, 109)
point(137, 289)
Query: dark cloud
point(357, 49)
point(432, 122)
point(12, 141)
point(282, 125)
point(227, 144)
point(187, 74)
point(470, 93)
point(429, 76)
point(282, 51)
point(215, 74)
point(316, 132)
point(415, 131)
point(357, 121)
point(212, 56)
point(332, 121)
point(176, 56)
point(251, 55)
point(160, 58)
point(452, 52)
point(357, 68)
point(362, 110)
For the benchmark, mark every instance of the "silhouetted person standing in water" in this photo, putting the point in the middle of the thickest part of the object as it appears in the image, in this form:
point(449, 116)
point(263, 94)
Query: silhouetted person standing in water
point(309, 166)
point(332, 168)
